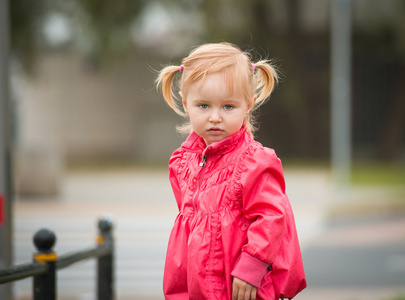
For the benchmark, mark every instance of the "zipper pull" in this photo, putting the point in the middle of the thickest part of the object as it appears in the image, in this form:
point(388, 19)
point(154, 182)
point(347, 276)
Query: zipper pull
point(204, 159)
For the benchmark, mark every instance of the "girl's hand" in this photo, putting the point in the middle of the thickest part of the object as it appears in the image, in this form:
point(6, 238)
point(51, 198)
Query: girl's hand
point(241, 290)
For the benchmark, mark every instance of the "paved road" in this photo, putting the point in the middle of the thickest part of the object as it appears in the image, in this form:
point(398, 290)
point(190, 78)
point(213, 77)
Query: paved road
point(143, 209)
point(366, 266)
point(357, 258)
point(368, 251)
point(335, 254)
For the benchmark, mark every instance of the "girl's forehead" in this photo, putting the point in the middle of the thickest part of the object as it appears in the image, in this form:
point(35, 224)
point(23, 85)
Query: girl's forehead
point(216, 79)
point(214, 90)
point(227, 80)
point(217, 82)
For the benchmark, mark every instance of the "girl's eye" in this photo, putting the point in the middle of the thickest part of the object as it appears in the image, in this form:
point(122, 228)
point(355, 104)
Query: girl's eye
point(228, 107)
point(203, 106)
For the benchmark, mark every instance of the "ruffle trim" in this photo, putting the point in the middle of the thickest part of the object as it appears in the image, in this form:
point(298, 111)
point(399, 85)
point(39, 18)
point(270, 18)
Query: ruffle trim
point(233, 196)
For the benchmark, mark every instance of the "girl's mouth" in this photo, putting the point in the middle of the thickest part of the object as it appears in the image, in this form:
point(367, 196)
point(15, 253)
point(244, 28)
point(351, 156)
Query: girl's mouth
point(215, 130)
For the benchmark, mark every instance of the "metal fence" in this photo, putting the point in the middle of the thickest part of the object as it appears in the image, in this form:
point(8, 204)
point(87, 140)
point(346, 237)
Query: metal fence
point(46, 262)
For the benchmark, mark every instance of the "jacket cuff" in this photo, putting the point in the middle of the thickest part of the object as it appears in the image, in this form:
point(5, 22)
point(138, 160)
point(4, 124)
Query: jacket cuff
point(250, 269)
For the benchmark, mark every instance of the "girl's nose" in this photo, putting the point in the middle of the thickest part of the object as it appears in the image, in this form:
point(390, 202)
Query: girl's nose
point(215, 116)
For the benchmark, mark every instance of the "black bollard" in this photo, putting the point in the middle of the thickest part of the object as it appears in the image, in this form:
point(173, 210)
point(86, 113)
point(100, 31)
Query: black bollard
point(44, 285)
point(105, 266)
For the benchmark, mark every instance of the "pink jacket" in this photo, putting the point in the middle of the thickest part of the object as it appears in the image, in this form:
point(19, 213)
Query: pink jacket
point(234, 220)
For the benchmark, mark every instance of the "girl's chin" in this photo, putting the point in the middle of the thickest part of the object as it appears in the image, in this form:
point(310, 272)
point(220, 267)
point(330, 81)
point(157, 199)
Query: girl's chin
point(210, 140)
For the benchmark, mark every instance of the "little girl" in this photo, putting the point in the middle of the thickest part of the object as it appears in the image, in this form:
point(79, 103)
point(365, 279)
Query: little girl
point(234, 237)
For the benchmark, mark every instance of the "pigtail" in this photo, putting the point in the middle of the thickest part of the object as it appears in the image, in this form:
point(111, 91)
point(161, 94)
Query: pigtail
point(267, 78)
point(165, 80)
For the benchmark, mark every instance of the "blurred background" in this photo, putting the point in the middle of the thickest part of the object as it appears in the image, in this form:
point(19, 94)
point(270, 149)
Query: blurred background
point(84, 74)
point(89, 128)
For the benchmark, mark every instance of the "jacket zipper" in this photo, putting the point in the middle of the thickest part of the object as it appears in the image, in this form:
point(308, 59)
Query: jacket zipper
point(203, 160)
point(201, 164)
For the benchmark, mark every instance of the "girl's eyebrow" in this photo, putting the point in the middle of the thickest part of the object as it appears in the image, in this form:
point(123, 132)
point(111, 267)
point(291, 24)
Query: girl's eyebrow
point(199, 99)
point(233, 100)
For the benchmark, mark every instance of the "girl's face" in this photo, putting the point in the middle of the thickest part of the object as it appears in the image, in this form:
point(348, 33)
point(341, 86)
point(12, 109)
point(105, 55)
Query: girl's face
point(215, 112)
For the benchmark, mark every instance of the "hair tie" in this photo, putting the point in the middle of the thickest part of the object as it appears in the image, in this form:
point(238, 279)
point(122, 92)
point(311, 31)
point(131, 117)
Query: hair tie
point(181, 68)
point(253, 66)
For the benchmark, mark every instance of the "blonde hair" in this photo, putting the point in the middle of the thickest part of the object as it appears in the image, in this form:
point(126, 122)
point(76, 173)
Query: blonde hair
point(253, 78)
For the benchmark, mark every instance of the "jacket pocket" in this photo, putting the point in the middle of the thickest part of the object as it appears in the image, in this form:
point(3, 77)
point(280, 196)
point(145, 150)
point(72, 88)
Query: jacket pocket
point(245, 226)
point(242, 223)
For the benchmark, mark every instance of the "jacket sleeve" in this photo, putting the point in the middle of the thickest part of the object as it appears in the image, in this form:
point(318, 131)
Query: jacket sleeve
point(174, 169)
point(264, 205)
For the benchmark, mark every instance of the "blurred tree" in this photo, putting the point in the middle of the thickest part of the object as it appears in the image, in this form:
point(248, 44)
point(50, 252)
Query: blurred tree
point(106, 26)
point(101, 27)
point(26, 23)
point(380, 68)
point(393, 129)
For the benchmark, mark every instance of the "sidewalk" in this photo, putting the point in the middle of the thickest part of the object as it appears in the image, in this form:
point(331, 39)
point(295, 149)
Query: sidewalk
point(144, 209)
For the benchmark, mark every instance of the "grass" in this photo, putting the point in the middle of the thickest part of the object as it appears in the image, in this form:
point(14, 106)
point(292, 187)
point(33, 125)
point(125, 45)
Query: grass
point(376, 174)
point(400, 297)
point(376, 188)
point(363, 174)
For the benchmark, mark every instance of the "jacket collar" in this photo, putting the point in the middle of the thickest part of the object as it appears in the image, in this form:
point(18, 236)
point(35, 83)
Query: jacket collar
point(195, 143)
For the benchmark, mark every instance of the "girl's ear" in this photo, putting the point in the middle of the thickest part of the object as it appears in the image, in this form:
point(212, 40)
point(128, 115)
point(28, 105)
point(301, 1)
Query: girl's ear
point(252, 103)
point(254, 99)
point(184, 102)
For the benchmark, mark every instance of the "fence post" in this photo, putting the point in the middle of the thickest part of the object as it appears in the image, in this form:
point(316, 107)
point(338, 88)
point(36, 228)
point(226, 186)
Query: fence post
point(44, 286)
point(105, 266)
